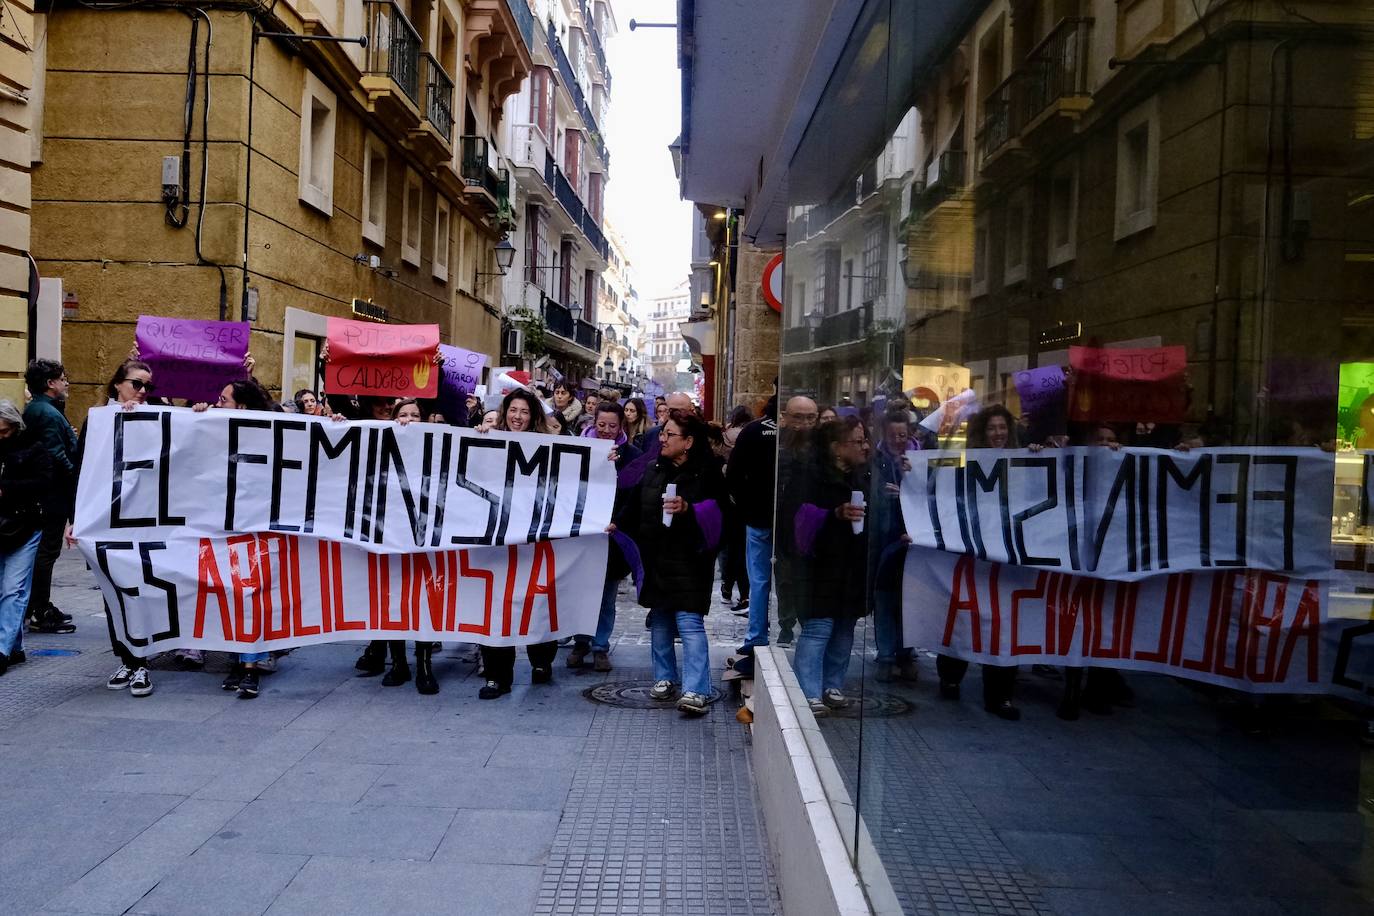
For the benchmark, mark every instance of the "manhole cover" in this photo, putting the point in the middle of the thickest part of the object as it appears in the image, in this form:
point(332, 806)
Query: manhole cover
point(52, 653)
point(873, 706)
point(635, 695)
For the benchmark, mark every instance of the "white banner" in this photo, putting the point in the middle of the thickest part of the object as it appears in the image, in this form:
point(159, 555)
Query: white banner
point(1126, 514)
point(1244, 629)
point(258, 592)
point(164, 473)
point(249, 531)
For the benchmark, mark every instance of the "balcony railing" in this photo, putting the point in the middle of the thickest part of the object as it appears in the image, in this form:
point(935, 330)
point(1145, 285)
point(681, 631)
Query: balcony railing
point(577, 212)
point(438, 96)
point(558, 318)
point(589, 26)
point(393, 46)
point(844, 327)
point(1058, 67)
point(567, 195)
point(524, 20)
point(477, 170)
point(1003, 115)
point(530, 149)
point(565, 70)
point(797, 339)
point(588, 335)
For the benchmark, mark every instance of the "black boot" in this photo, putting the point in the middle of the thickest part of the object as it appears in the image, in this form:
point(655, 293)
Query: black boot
point(425, 682)
point(373, 660)
point(1073, 695)
point(400, 668)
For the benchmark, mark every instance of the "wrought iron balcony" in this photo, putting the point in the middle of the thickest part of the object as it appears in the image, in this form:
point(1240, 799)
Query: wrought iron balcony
point(524, 19)
point(557, 318)
point(588, 335)
point(572, 204)
point(438, 96)
point(844, 327)
point(393, 47)
point(1004, 114)
point(491, 186)
point(565, 70)
point(796, 339)
point(1057, 68)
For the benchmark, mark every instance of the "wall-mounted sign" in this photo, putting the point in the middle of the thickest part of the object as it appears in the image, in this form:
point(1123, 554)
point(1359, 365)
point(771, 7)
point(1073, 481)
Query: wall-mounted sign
point(366, 308)
point(772, 283)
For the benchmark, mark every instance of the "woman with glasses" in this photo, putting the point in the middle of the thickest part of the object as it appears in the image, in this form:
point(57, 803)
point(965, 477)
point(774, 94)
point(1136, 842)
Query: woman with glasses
point(678, 557)
point(831, 540)
point(520, 412)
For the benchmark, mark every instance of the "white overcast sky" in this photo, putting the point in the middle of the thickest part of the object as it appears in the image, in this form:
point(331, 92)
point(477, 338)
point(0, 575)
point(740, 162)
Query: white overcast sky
point(646, 102)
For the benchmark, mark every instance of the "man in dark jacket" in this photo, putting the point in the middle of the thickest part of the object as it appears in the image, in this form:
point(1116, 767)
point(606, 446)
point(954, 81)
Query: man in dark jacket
point(46, 425)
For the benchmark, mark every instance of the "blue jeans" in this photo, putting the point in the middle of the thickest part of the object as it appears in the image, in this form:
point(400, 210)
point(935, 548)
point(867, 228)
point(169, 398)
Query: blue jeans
point(16, 578)
point(822, 656)
point(605, 622)
point(758, 556)
point(696, 651)
point(887, 623)
point(253, 657)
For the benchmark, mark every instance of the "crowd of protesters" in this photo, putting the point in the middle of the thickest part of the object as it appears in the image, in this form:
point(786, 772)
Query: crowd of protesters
point(801, 503)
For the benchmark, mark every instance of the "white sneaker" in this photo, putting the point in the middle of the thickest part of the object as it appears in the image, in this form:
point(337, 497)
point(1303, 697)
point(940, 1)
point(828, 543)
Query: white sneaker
point(834, 699)
point(268, 665)
point(662, 690)
point(120, 679)
point(818, 709)
point(692, 704)
point(140, 685)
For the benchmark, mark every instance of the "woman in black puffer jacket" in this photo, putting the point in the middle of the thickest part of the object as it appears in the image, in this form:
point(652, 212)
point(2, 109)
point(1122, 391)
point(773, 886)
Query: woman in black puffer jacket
point(679, 559)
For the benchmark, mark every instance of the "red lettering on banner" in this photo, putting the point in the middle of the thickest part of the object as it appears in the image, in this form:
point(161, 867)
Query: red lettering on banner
point(1017, 596)
point(994, 591)
point(382, 590)
point(1306, 625)
point(284, 589)
point(964, 582)
point(1172, 585)
point(293, 562)
point(1076, 601)
point(211, 583)
point(341, 622)
point(1099, 648)
point(543, 561)
point(1260, 623)
point(489, 581)
point(1221, 583)
point(1224, 630)
point(439, 589)
point(1052, 608)
point(250, 584)
point(1182, 605)
point(512, 563)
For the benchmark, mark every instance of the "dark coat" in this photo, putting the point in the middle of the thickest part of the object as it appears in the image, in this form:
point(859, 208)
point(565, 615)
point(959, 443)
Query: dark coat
point(833, 572)
point(679, 565)
point(47, 427)
point(25, 475)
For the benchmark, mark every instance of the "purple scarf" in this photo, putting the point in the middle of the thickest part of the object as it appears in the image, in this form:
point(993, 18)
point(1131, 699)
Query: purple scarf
point(806, 527)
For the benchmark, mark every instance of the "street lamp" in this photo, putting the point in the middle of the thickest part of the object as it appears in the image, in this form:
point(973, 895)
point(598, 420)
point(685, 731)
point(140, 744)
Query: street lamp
point(505, 257)
point(813, 318)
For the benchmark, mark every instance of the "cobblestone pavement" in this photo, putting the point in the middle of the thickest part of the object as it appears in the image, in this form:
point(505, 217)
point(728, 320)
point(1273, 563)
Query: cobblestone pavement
point(331, 794)
point(1168, 807)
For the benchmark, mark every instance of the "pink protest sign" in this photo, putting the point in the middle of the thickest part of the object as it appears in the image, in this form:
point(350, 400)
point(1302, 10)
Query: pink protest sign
point(190, 358)
point(1113, 384)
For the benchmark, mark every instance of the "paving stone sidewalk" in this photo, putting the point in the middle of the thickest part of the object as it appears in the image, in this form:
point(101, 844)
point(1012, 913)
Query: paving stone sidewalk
point(332, 794)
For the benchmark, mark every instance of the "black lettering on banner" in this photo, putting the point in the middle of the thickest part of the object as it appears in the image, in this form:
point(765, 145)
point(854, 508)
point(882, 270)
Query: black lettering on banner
point(1240, 498)
point(1022, 557)
point(460, 477)
point(518, 463)
point(164, 474)
point(120, 466)
point(235, 459)
point(1166, 469)
point(1124, 482)
point(280, 464)
point(369, 486)
point(145, 552)
point(584, 473)
point(1289, 463)
point(1339, 675)
point(102, 550)
point(961, 507)
point(1071, 507)
point(391, 455)
point(977, 479)
point(1143, 513)
point(320, 444)
point(441, 498)
point(933, 504)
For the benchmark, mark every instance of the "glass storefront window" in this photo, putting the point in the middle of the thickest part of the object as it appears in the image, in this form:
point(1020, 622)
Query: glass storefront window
point(1062, 272)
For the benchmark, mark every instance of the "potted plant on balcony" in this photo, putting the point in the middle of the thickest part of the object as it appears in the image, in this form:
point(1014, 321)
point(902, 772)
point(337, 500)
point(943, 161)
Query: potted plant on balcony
point(532, 324)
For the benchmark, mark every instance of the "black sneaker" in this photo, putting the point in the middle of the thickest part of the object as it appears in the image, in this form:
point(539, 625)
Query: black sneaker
point(541, 675)
point(121, 678)
point(17, 657)
point(140, 685)
point(56, 611)
point(491, 690)
point(50, 622)
point(234, 678)
point(248, 686)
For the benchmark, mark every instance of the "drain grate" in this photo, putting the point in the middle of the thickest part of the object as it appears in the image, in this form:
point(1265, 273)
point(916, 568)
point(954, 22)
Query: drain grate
point(635, 695)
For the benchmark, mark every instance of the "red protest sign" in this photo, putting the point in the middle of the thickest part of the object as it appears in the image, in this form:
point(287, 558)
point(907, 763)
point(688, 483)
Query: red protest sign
point(392, 360)
point(1128, 385)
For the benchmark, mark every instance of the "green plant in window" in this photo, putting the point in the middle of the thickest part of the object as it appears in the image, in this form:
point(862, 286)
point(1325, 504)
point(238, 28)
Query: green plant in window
point(532, 324)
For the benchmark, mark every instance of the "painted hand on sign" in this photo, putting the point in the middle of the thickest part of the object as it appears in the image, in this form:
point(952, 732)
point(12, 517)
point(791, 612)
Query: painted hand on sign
point(192, 359)
point(392, 360)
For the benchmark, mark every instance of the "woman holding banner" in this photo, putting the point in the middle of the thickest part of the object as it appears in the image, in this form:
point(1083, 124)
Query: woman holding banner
point(675, 519)
point(828, 521)
point(521, 412)
point(25, 472)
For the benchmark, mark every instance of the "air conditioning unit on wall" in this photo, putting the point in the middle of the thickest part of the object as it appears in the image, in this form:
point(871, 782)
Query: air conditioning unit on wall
point(514, 342)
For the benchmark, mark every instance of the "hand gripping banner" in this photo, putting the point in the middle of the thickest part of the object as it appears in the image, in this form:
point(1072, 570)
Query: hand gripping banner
point(248, 531)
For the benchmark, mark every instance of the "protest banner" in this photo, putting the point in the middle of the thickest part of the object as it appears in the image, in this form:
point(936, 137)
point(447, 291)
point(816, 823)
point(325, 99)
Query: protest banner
point(1126, 514)
point(460, 375)
point(190, 358)
point(390, 360)
point(276, 530)
point(1043, 393)
point(258, 592)
point(1243, 629)
point(167, 473)
point(1128, 385)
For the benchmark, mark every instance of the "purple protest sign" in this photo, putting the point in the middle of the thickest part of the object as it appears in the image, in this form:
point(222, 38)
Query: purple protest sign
point(1043, 401)
point(459, 377)
point(192, 359)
